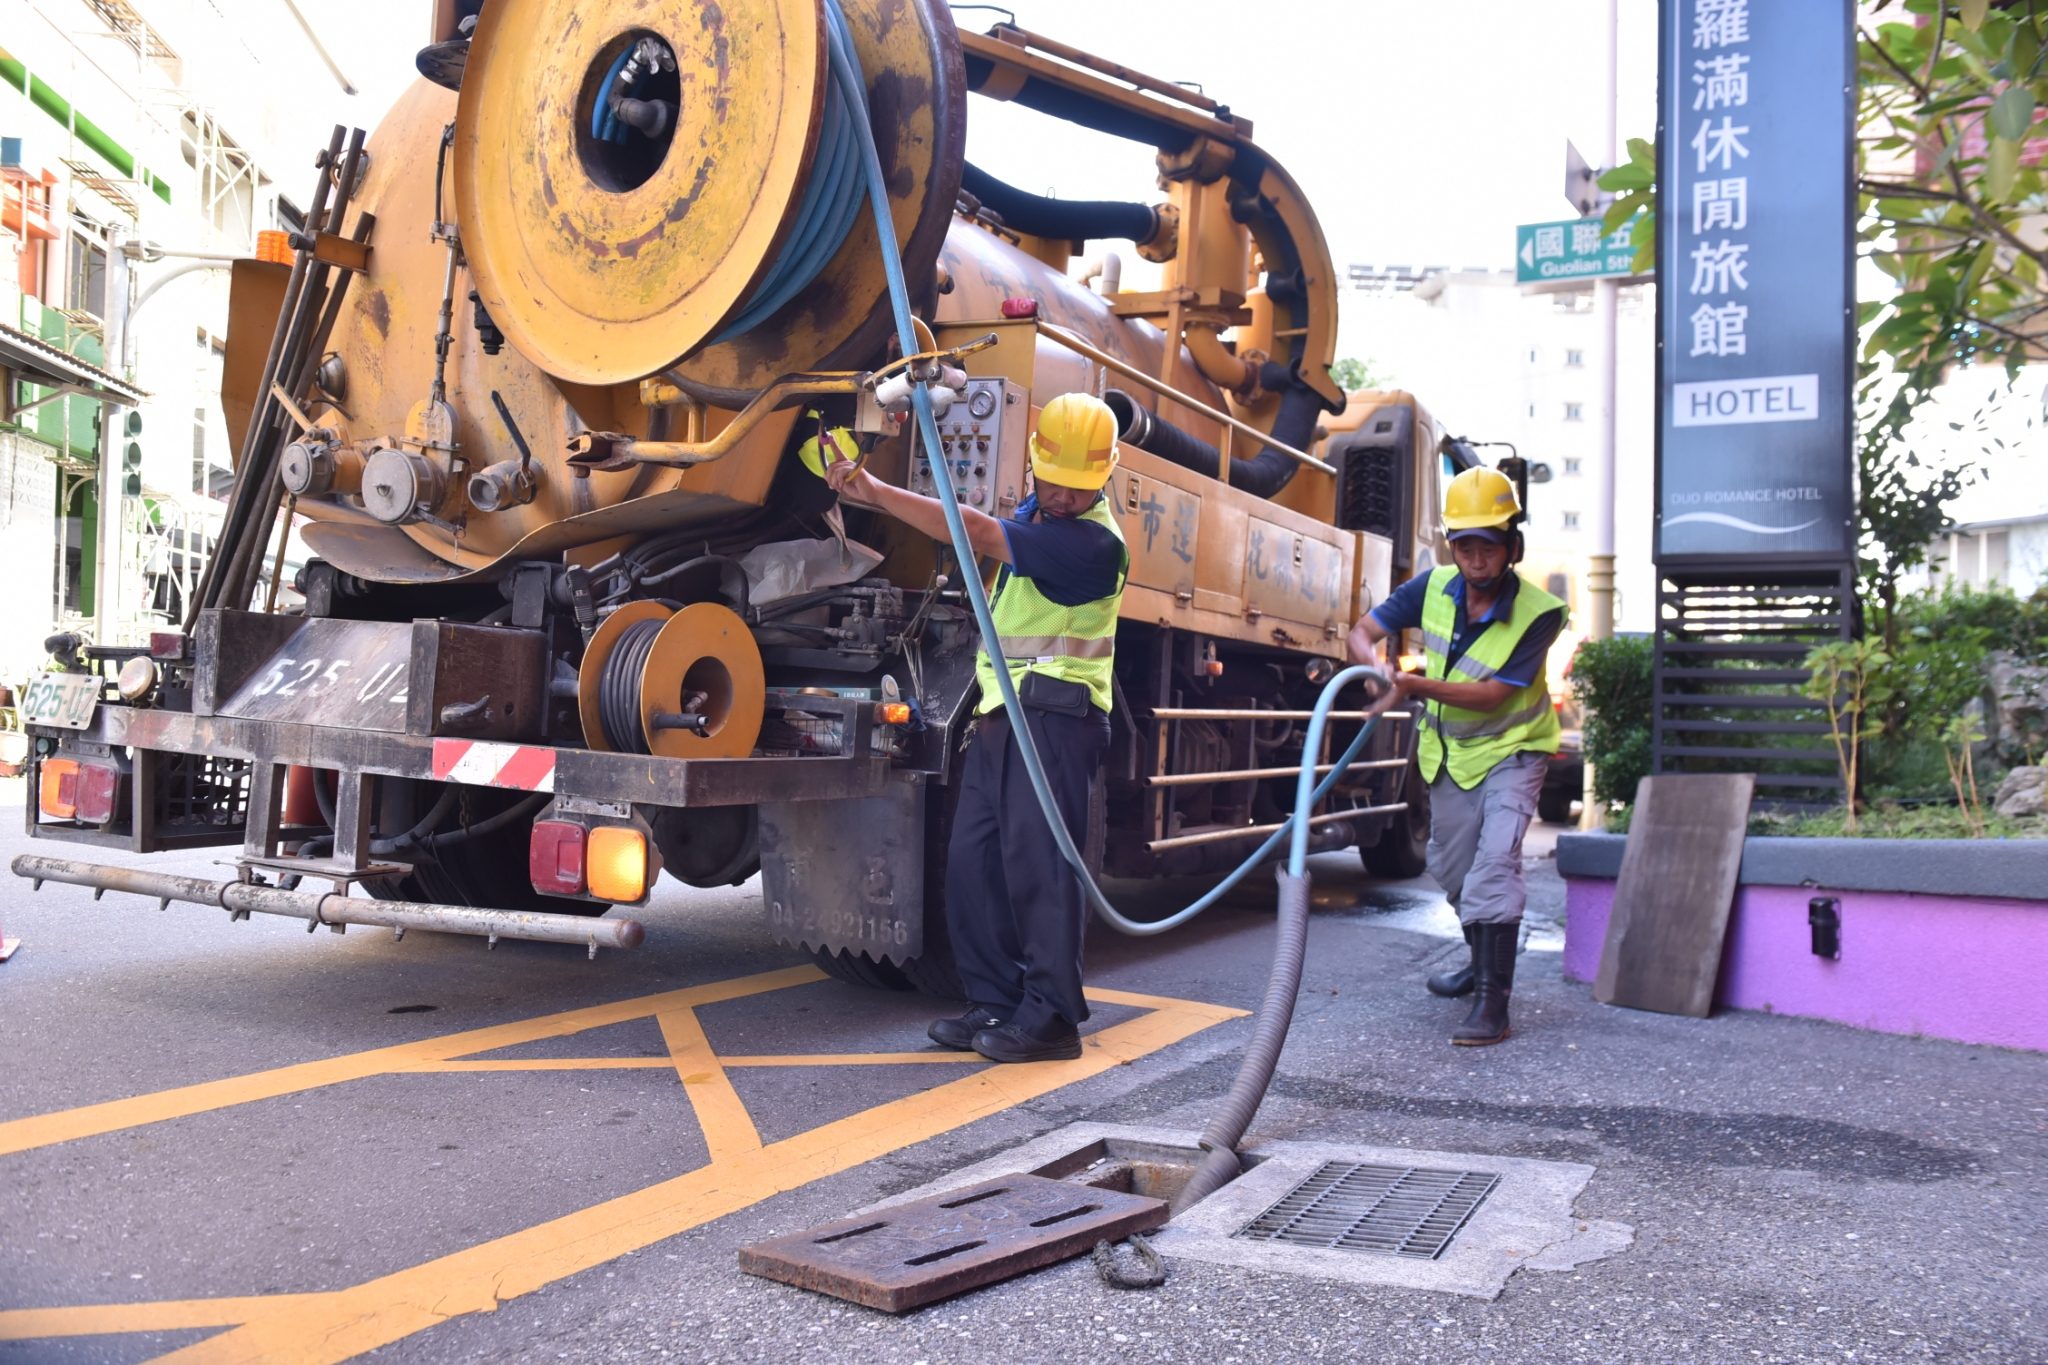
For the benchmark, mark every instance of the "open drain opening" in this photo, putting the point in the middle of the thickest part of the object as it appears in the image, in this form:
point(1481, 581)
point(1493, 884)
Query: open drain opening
point(1352, 1206)
point(1131, 1166)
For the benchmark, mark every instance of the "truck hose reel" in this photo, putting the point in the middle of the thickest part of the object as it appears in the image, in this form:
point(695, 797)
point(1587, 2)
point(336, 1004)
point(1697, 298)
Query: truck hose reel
point(674, 682)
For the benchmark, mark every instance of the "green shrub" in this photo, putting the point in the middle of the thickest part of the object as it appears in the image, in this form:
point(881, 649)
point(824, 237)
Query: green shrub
point(1997, 615)
point(1933, 678)
point(1612, 681)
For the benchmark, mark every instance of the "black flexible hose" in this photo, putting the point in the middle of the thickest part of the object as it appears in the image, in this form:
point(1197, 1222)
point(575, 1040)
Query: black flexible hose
point(618, 694)
point(1077, 220)
point(732, 579)
point(415, 838)
point(425, 825)
point(487, 826)
point(1263, 475)
point(1220, 1164)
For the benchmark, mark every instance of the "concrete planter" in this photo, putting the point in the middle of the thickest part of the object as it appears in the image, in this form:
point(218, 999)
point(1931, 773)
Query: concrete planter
point(1942, 937)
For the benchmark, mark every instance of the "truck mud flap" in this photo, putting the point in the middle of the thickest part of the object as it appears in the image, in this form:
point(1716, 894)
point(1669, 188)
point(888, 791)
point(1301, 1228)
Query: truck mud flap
point(847, 875)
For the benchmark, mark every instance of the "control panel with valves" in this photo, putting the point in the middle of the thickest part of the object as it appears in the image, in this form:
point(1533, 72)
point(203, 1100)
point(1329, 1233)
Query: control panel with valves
point(982, 438)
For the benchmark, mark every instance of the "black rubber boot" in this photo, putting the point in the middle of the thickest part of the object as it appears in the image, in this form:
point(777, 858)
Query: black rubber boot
point(1495, 955)
point(1458, 981)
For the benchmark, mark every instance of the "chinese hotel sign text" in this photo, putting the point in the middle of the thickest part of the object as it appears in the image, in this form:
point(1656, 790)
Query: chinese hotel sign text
point(1755, 304)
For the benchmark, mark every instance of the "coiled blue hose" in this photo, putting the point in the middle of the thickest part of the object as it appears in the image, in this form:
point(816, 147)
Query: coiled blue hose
point(847, 75)
point(831, 199)
point(832, 196)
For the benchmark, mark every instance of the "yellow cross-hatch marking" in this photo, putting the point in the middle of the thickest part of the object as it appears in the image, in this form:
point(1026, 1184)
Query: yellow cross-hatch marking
point(335, 1325)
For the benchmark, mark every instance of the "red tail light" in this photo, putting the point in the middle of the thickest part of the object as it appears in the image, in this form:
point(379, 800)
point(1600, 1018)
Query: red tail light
point(99, 792)
point(555, 858)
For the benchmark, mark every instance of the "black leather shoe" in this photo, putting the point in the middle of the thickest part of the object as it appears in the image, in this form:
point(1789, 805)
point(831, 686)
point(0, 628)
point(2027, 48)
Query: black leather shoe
point(958, 1034)
point(1008, 1043)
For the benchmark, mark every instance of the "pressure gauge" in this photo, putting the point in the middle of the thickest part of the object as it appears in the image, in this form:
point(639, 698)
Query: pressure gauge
point(982, 403)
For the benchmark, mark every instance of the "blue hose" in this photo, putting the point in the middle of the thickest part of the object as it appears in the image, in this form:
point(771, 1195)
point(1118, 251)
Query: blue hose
point(831, 199)
point(604, 125)
point(847, 74)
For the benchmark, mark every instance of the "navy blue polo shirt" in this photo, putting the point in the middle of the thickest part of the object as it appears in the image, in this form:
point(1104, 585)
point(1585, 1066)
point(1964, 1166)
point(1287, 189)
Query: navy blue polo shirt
point(1403, 611)
point(1071, 561)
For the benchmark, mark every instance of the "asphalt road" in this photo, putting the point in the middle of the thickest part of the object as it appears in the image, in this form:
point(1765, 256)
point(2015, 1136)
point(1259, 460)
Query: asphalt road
point(241, 1141)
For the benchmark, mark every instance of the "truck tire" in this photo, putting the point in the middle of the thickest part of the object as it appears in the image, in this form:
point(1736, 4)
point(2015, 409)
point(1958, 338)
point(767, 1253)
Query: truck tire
point(486, 871)
point(858, 969)
point(1554, 807)
point(1403, 848)
point(710, 846)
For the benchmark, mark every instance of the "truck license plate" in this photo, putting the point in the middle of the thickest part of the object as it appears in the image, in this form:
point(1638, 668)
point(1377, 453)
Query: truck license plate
point(65, 700)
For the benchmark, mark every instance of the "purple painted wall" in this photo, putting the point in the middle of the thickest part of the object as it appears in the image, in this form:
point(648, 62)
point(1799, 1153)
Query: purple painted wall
point(1967, 969)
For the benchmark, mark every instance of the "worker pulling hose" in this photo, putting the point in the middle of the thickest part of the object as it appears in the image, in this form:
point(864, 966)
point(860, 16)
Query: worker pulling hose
point(1219, 1140)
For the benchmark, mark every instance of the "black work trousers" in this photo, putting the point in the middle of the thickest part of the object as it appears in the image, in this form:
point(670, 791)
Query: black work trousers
point(1015, 911)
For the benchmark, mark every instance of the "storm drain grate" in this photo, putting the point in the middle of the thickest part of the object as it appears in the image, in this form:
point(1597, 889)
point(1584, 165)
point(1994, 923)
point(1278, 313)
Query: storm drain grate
point(1350, 1206)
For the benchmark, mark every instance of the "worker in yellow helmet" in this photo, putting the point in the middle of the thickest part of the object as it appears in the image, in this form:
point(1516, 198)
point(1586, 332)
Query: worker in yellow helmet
point(1486, 727)
point(1015, 912)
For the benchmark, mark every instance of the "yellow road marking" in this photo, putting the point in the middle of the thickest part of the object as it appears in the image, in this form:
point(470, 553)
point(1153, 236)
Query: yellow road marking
point(666, 1063)
point(336, 1325)
point(728, 1127)
point(857, 1059)
point(91, 1120)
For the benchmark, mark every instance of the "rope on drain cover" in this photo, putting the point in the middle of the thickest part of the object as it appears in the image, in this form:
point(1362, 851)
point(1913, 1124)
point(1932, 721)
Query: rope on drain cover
point(1115, 1276)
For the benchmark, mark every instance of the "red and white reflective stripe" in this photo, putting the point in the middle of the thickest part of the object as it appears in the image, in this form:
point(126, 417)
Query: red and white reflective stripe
point(522, 767)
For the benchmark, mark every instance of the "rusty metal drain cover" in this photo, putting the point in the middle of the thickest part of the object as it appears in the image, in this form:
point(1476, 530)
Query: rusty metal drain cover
point(913, 1254)
point(1351, 1206)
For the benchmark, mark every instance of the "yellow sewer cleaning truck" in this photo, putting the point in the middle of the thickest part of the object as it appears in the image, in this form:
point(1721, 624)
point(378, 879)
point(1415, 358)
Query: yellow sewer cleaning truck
point(543, 378)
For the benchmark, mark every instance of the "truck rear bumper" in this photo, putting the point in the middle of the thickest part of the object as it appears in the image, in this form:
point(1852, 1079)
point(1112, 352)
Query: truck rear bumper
point(638, 778)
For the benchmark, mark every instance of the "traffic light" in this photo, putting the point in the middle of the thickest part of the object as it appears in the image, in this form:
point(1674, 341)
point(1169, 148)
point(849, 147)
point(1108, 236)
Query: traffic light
point(131, 457)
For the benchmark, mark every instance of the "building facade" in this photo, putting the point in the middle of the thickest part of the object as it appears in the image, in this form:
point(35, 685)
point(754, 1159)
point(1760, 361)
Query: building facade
point(143, 145)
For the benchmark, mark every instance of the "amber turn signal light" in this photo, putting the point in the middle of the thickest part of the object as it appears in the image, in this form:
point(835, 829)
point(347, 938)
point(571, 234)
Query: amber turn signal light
point(617, 864)
point(57, 790)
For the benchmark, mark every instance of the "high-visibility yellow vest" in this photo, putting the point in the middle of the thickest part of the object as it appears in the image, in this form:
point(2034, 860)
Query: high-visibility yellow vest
point(1472, 742)
point(1076, 644)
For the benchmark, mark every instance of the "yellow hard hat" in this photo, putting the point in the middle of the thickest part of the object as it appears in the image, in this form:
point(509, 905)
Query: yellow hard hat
point(840, 446)
point(1075, 444)
point(1479, 499)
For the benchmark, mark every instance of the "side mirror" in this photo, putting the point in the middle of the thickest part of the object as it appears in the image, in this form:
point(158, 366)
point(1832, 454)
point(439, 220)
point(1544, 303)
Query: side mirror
point(1539, 472)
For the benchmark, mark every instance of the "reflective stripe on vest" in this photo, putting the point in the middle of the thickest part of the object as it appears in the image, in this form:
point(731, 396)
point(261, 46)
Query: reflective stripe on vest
point(1038, 635)
point(1465, 667)
point(1471, 743)
point(1046, 646)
